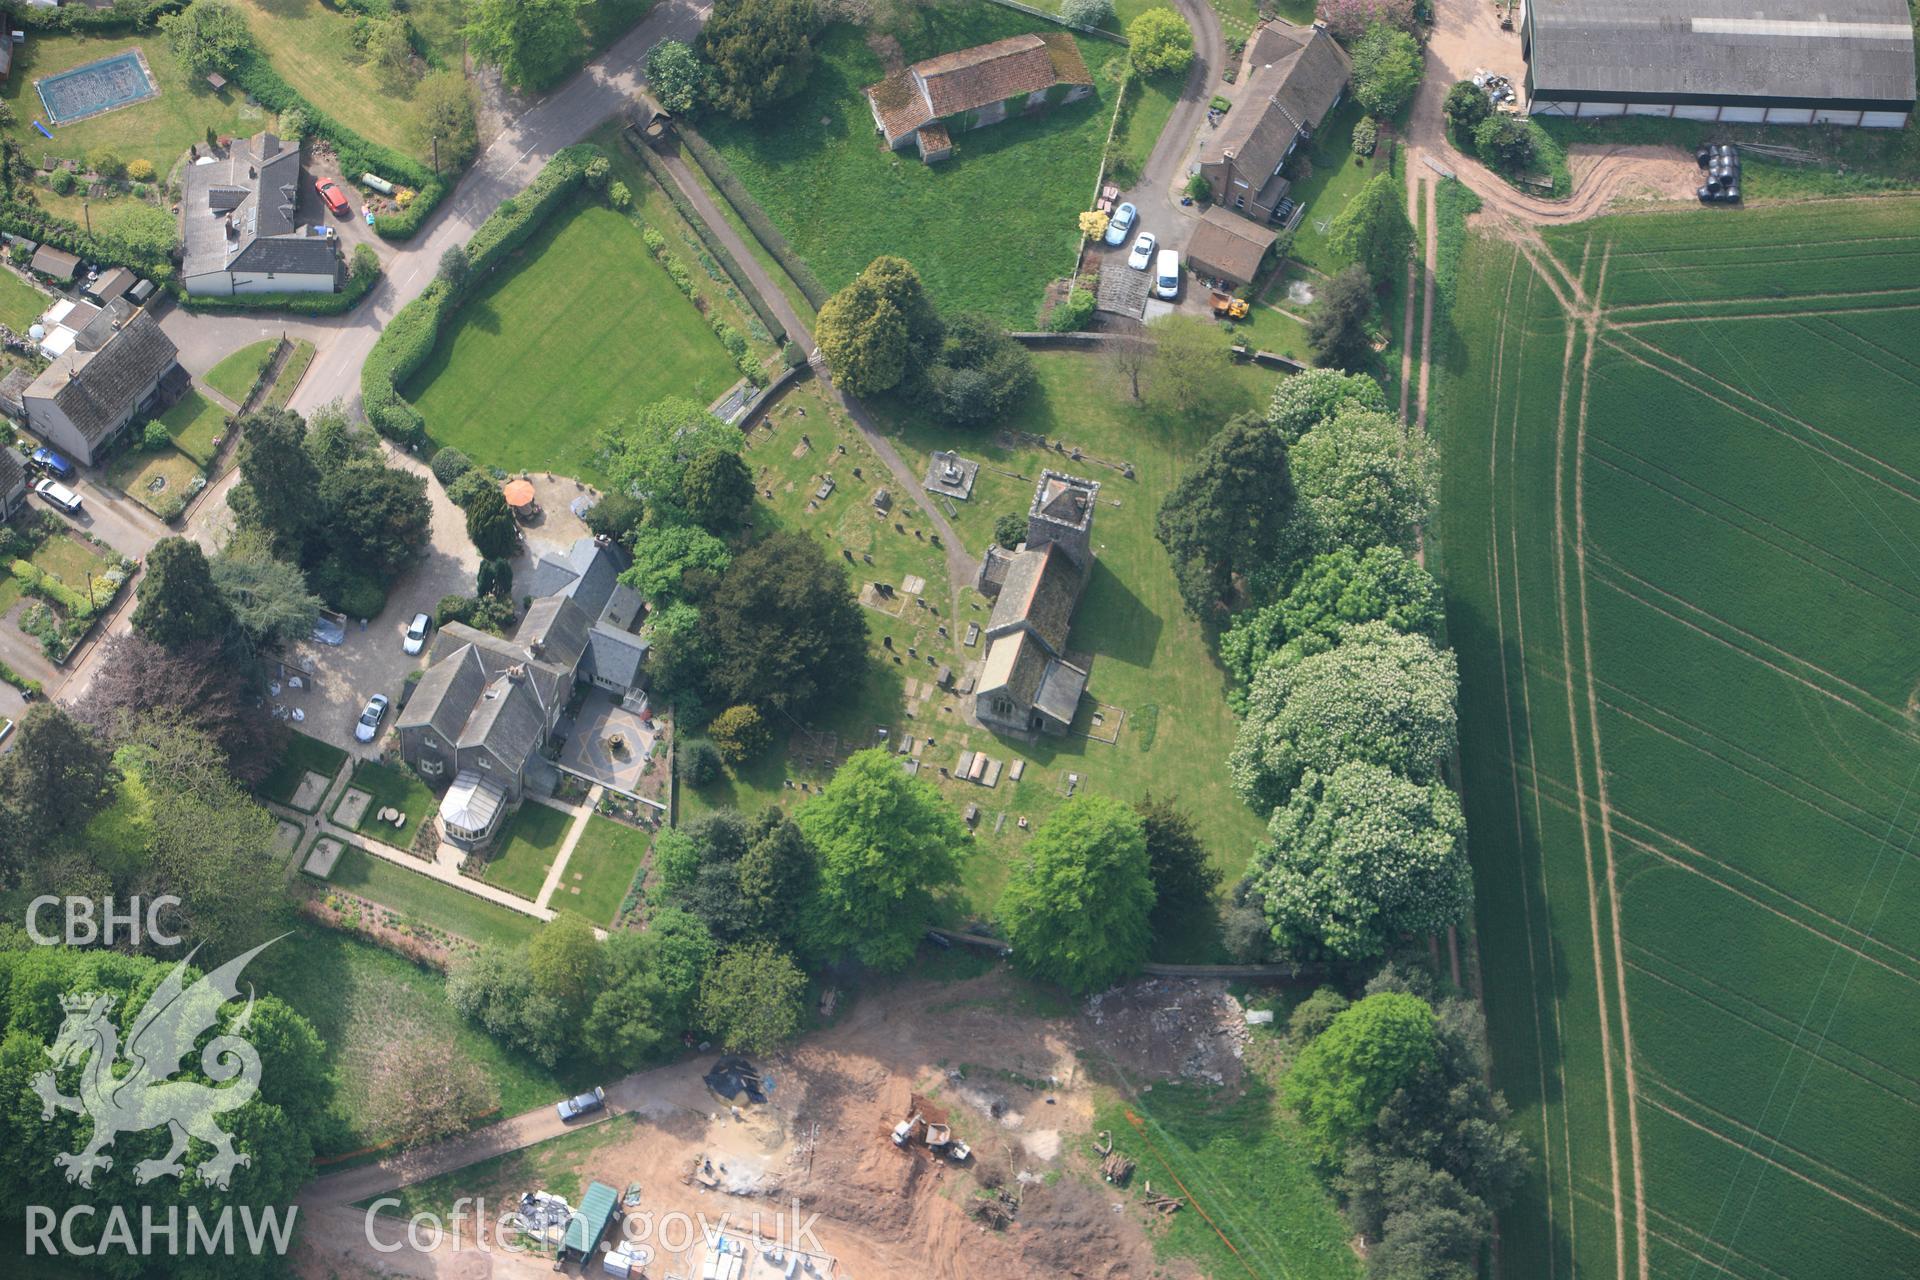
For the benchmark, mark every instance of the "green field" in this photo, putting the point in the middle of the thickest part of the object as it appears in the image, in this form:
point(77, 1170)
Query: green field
point(311, 46)
point(1679, 530)
point(158, 129)
point(987, 228)
point(391, 786)
point(583, 329)
point(1240, 1156)
point(526, 850)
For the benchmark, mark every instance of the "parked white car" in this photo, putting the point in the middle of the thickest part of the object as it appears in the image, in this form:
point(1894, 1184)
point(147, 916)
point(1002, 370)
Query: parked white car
point(369, 727)
point(417, 633)
point(58, 494)
point(1142, 255)
point(1121, 224)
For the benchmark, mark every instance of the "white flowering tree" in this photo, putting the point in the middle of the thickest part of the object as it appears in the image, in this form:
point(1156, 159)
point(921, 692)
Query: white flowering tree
point(1360, 856)
point(1362, 480)
point(1377, 696)
point(1305, 400)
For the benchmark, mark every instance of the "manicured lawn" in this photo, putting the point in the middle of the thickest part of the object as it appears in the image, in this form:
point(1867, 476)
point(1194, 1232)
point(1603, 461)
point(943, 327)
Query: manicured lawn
point(302, 753)
point(234, 376)
point(391, 786)
point(427, 899)
point(288, 379)
point(582, 329)
point(601, 870)
point(158, 129)
point(310, 45)
point(987, 228)
point(152, 479)
point(21, 303)
point(195, 422)
point(1266, 329)
point(360, 999)
point(70, 560)
point(1241, 1158)
point(1337, 175)
point(1687, 748)
point(526, 851)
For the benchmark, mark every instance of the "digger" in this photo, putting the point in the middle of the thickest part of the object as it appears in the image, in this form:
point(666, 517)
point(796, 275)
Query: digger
point(1228, 307)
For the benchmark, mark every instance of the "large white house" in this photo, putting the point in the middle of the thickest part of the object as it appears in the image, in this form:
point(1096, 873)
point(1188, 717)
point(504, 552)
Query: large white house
point(238, 223)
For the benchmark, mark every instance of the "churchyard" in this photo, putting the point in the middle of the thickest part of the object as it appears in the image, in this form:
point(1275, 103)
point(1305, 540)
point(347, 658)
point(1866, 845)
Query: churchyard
point(1155, 717)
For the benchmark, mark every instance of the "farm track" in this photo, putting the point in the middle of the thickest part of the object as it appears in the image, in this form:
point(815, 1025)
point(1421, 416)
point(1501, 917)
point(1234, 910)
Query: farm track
point(1693, 313)
point(1590, 321)
point(1513, 768)
point(1627, 308)
point(1579, 770)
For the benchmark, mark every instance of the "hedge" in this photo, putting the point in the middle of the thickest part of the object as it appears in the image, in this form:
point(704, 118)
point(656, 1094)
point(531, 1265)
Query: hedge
point(124, 15)
point(9, 676)
point(663, 179)
point(37, 224)
point(357, 156)
point(409, 337)
point(756, 219)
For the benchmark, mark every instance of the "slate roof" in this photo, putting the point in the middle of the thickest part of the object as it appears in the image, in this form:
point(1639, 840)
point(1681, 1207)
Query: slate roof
point(98, 389)
point(1060, 690)
point(445, 695)
point(1842, 50)
point(1014, 668)
point(13, 473)
point(589, 572)
point(1065, 499)
point(554, 631)
point(1297, 76)
point(993, 570)
point(1228, 246)
point(1041, 590)
point(111, 285)
point(508, 719)
point(256, 187)
point(968, 79)
point(614, 654)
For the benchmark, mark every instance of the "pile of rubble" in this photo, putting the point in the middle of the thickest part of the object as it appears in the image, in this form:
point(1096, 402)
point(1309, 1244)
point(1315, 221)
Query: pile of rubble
point(1185, 1028)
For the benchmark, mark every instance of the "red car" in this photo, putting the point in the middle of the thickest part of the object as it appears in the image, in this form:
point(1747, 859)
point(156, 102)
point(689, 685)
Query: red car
point(336, 198)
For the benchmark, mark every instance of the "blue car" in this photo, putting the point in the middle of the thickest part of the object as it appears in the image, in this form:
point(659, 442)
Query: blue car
point(47, 460)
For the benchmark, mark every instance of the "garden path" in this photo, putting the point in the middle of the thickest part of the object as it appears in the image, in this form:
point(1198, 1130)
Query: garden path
point(582, 815)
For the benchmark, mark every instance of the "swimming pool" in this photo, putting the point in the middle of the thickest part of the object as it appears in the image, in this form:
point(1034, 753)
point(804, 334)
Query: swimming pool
point(119, 80)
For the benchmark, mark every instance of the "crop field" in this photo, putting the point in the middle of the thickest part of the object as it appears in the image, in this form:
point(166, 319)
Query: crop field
point(1680, 533)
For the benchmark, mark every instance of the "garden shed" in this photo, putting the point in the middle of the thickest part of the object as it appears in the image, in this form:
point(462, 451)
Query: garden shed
point(589, 1221)
point(1227, 247)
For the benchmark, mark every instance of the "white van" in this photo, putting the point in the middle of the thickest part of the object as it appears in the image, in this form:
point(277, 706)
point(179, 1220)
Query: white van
point(1166, 274)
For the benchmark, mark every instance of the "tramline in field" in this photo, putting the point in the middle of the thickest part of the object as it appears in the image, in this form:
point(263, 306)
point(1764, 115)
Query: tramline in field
point(1682, 549)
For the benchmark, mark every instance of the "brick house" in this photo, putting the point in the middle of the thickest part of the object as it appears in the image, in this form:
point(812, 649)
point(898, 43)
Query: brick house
point(928, 102)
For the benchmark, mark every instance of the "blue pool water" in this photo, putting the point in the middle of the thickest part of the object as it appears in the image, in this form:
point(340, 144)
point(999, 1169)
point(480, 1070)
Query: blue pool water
point(79, 92)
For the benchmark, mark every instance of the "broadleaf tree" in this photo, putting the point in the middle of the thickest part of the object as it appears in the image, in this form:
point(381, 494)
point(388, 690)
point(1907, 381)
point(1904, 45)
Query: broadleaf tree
point(1077, 908)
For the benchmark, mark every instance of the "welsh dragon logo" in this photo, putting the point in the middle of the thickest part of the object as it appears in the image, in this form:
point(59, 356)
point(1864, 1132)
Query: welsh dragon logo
point(138, 1093)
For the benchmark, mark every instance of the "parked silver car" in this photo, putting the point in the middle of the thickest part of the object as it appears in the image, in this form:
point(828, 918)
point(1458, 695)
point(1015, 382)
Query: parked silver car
point(369, 727)
point(1121, 224)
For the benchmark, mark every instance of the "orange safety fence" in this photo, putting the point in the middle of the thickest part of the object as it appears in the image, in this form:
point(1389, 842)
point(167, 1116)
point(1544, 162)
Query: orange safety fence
point(1140, 1127)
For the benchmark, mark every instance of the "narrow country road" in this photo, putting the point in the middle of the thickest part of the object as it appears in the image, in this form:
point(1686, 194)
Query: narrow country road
point(516, 155)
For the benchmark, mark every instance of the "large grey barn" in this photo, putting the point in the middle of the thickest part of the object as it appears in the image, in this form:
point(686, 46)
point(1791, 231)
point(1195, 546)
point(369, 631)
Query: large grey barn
point(1847, 62)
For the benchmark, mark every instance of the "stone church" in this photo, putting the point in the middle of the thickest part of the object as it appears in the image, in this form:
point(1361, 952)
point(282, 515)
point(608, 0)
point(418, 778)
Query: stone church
point(1028, 684)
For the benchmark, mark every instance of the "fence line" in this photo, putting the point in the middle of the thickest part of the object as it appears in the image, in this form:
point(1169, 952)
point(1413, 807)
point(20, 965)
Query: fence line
point(1057, 20)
